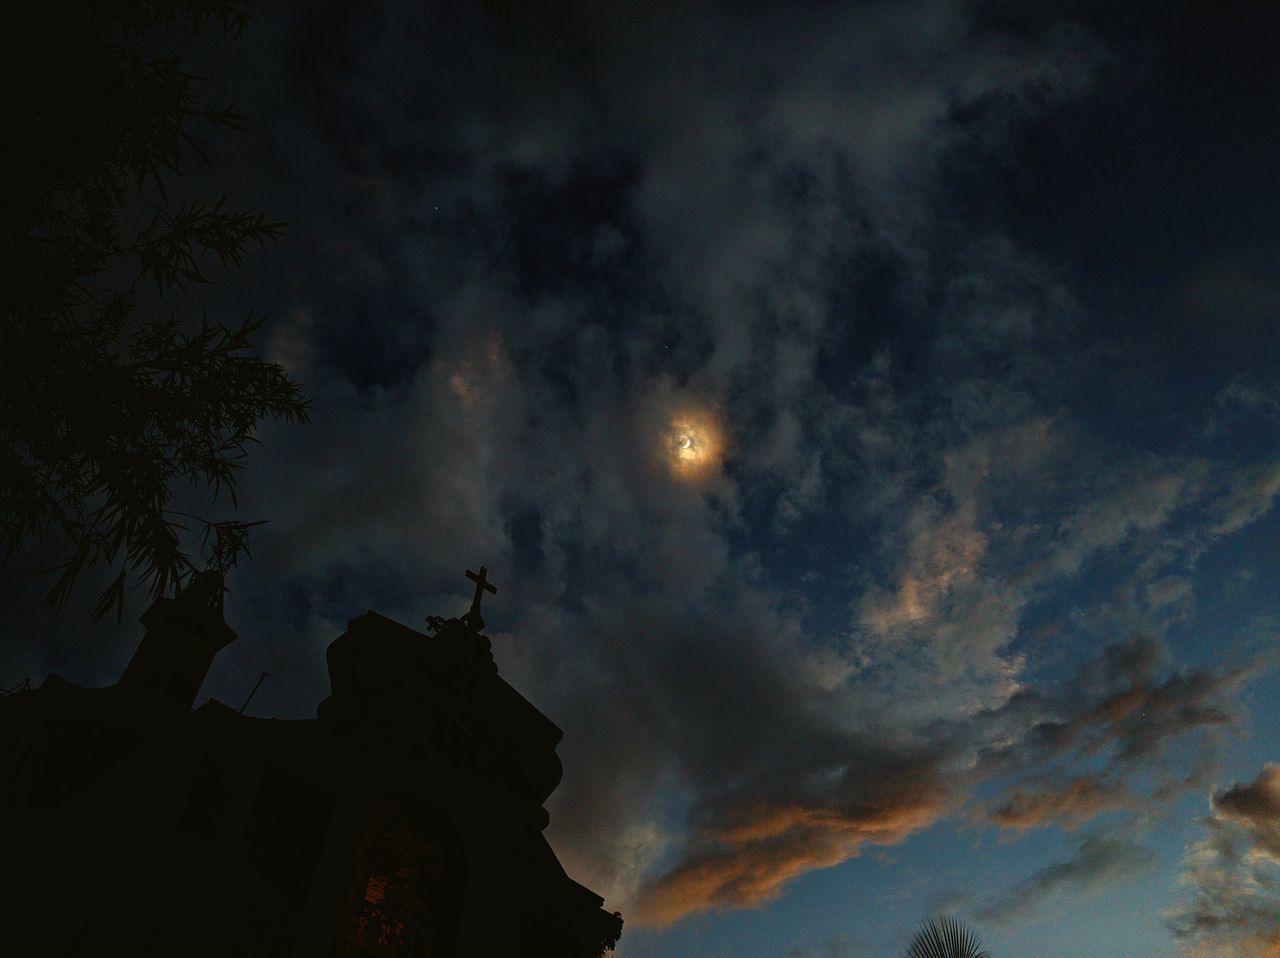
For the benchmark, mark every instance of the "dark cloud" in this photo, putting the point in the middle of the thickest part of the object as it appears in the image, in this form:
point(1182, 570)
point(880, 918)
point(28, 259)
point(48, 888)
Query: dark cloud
point(1255, 807)
point(1233, 873)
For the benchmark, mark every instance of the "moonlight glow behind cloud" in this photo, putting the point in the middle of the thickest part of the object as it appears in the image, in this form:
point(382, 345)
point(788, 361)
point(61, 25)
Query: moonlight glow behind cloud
point(694, 445)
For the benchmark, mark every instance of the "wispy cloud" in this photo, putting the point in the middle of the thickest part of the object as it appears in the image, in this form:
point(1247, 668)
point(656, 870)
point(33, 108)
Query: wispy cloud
point(882, 797)
point(1068, 803)
point(1099, 860)
point(1119, 719)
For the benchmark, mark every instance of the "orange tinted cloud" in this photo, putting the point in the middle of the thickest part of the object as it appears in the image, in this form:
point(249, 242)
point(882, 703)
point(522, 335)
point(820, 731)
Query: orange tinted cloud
point(1069, 804)
point(1255, 807)
point(1235, 908)
point(748, 860)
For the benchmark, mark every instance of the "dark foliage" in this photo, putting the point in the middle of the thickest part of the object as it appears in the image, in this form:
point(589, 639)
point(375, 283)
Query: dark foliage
point(945, 937)
point(106, 406)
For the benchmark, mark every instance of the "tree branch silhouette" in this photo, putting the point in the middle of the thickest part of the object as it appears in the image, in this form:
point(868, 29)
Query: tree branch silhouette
point(105, 407)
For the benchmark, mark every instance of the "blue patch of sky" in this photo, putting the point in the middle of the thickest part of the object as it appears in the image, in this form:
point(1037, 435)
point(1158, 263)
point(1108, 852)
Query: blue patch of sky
point(1160, 174)
point(873, 309)
point(1234, 583)
point(574, 233)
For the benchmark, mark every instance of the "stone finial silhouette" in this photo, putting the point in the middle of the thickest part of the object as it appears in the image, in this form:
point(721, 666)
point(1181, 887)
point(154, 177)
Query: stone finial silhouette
point(183, 635)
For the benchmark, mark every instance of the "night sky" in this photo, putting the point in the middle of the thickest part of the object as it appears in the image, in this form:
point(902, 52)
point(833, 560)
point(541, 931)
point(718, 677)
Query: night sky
point(868, 412)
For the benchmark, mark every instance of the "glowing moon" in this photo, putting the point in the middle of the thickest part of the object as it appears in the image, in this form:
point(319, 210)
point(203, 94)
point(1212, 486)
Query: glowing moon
point(695, 445)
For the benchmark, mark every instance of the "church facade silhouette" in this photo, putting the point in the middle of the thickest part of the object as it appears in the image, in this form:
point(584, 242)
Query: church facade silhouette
point(405, 819)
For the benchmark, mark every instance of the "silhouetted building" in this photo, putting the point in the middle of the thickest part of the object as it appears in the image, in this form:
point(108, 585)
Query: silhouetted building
point(406, 819)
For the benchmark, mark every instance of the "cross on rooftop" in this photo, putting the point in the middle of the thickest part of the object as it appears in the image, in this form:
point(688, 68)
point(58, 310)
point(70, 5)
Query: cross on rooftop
point(482, 586)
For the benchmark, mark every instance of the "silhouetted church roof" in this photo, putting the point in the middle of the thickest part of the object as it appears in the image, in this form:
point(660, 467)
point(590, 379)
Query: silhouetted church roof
point(405, 819)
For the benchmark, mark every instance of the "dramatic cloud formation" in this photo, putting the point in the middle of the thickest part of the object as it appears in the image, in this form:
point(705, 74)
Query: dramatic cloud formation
point(676, 236)
point(802, 480)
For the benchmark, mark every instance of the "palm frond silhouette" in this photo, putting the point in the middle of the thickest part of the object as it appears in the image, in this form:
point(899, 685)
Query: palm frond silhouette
point(945, 937)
